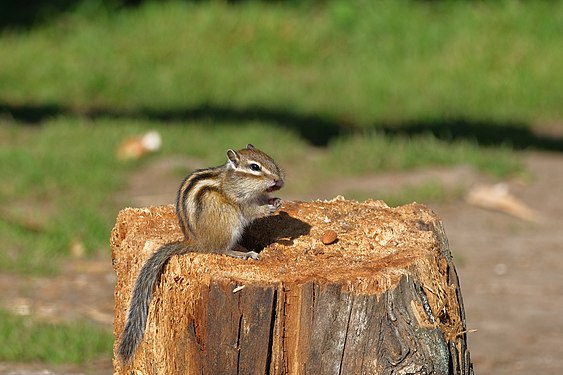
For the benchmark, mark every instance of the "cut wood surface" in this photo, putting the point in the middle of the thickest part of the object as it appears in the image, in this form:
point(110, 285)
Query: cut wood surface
point(380, 298)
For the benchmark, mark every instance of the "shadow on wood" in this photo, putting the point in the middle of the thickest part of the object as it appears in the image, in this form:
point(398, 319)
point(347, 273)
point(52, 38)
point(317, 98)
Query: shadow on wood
point(280, 228)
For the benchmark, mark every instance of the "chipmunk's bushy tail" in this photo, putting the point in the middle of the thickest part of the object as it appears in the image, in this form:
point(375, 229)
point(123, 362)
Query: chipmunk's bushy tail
point(142, 295)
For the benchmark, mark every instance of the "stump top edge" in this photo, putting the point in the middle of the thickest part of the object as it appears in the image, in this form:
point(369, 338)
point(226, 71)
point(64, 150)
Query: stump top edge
point(375, 244)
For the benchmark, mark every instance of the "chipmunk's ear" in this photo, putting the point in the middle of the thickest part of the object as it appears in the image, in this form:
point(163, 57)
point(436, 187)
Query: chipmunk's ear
point(234, 158)
point(249, 146)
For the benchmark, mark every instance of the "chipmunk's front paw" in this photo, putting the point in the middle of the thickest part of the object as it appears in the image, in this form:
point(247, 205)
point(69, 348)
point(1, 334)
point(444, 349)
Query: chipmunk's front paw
point(253, 255)
point(243, 254)
point(274, 204)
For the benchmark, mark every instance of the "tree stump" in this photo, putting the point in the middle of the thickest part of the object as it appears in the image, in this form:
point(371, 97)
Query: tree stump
point(380, 298)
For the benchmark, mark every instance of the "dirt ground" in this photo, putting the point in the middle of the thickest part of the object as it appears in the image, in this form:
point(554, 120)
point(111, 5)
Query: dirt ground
point(511, 270)
point(512, 276)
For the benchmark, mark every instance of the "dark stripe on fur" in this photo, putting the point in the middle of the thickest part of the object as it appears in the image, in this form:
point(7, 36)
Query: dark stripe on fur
point(187, 185)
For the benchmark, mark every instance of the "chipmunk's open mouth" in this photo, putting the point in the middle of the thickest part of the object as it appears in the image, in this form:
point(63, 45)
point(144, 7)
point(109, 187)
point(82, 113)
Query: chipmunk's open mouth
point(276, 186)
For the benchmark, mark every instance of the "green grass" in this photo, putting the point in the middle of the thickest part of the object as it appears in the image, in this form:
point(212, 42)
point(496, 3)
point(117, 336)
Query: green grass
point(25, 340)
point(375, 152)
point(59, 190)
point(358, 63)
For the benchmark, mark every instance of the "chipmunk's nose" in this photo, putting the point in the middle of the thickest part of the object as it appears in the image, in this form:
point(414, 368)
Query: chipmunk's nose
point(276, 186)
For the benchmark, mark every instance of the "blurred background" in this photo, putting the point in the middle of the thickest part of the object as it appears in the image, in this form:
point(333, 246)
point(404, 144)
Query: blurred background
point(106, 104)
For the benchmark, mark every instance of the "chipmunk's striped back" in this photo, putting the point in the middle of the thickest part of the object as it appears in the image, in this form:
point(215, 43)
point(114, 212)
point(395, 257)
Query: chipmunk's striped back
point(189, 195)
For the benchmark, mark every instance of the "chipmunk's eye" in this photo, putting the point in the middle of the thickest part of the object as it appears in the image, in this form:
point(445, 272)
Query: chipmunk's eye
point(255, 167)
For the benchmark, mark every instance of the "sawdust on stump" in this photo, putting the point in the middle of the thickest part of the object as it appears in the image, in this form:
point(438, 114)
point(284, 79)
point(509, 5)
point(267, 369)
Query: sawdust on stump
point(341, 287)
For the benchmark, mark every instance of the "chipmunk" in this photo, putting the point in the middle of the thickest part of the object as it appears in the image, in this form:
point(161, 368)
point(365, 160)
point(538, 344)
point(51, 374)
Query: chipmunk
point(213, 207)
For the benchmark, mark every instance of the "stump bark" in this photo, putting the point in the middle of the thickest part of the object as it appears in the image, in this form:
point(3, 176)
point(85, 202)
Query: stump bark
point(383, 298)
